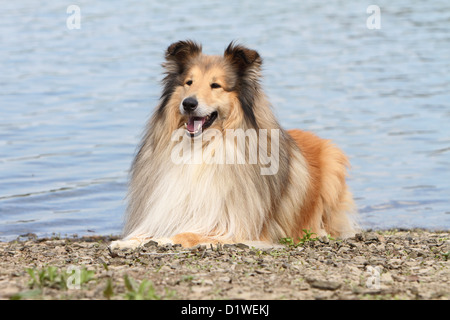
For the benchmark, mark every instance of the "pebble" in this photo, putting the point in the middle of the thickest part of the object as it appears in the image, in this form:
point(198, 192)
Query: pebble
point(324, 239)
point(323, 285)
point(371, 237)
point(263, 271)
point(241, 246)
point(224, 279)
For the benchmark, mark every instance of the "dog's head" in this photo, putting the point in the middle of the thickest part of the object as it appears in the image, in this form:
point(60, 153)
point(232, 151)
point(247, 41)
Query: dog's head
point(211, 91)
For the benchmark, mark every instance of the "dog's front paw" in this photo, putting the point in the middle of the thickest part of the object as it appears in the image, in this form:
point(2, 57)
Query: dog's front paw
point(130, 243)
point(189, 239)
point(125, 244)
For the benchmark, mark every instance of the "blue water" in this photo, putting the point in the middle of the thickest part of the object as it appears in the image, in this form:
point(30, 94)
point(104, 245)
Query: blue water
point(73, 103)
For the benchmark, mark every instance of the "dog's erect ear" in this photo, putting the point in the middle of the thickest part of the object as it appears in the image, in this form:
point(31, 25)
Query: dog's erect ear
point(179, 53)
point(242, 58)
point(247, 64)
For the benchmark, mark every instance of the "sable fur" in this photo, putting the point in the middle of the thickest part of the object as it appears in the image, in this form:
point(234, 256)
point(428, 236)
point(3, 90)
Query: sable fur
point(201, 203)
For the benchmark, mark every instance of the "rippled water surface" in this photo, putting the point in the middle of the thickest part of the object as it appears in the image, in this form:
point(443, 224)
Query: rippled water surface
point(73, 103)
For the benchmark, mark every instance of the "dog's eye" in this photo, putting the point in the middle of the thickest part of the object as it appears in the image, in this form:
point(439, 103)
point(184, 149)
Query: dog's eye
point(215, 85)
point(189, 82)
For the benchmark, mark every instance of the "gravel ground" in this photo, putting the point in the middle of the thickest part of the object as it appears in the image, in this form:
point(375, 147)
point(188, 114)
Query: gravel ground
point(410, 264)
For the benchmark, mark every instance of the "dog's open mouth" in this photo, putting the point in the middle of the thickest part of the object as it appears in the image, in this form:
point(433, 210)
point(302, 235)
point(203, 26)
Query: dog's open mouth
point(196, 125)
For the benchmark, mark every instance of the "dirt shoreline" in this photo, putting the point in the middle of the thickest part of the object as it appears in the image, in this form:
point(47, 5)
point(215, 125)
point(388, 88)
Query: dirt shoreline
point(391, 264)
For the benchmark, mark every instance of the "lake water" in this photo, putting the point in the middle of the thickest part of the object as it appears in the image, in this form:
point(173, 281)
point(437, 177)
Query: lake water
point(73, 103)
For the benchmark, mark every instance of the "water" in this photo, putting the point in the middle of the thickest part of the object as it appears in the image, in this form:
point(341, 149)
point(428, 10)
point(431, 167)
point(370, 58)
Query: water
point(73, 103)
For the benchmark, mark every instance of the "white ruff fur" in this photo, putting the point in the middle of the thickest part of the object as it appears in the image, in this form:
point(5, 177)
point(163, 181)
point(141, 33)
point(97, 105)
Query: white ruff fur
point(223, 201)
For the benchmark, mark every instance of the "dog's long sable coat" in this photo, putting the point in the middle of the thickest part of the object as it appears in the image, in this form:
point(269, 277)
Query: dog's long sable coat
point(209, 203)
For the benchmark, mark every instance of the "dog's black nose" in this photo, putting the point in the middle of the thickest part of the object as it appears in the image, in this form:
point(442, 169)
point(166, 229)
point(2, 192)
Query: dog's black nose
point(189, 104)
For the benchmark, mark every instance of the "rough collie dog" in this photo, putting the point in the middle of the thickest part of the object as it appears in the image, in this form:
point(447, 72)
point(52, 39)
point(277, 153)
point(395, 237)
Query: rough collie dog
point(268, 185)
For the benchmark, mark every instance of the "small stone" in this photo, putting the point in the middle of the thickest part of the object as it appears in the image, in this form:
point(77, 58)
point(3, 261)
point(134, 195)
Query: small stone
point(151, 243)
point(208, 282)
point(241, 246)
point(425, 271)
point(386, 278)
point(343, 249)
point(353, 270)
point(263, 271)
point(354, 245)
point(49, 254)
point(324, 239)
point(412, 278)
point(196, 248)
point(377, 260)
point(395, 263)
point(224, 279)
point(359, 260)
point(323, 284)
point(359, 237)
point(372, 236)
point(398, 278)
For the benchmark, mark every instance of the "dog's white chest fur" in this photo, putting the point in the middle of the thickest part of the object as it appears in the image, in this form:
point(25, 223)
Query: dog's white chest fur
point(209, 199)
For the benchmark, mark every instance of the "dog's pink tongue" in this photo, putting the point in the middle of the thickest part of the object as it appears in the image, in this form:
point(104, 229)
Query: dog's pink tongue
point(193, 123)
